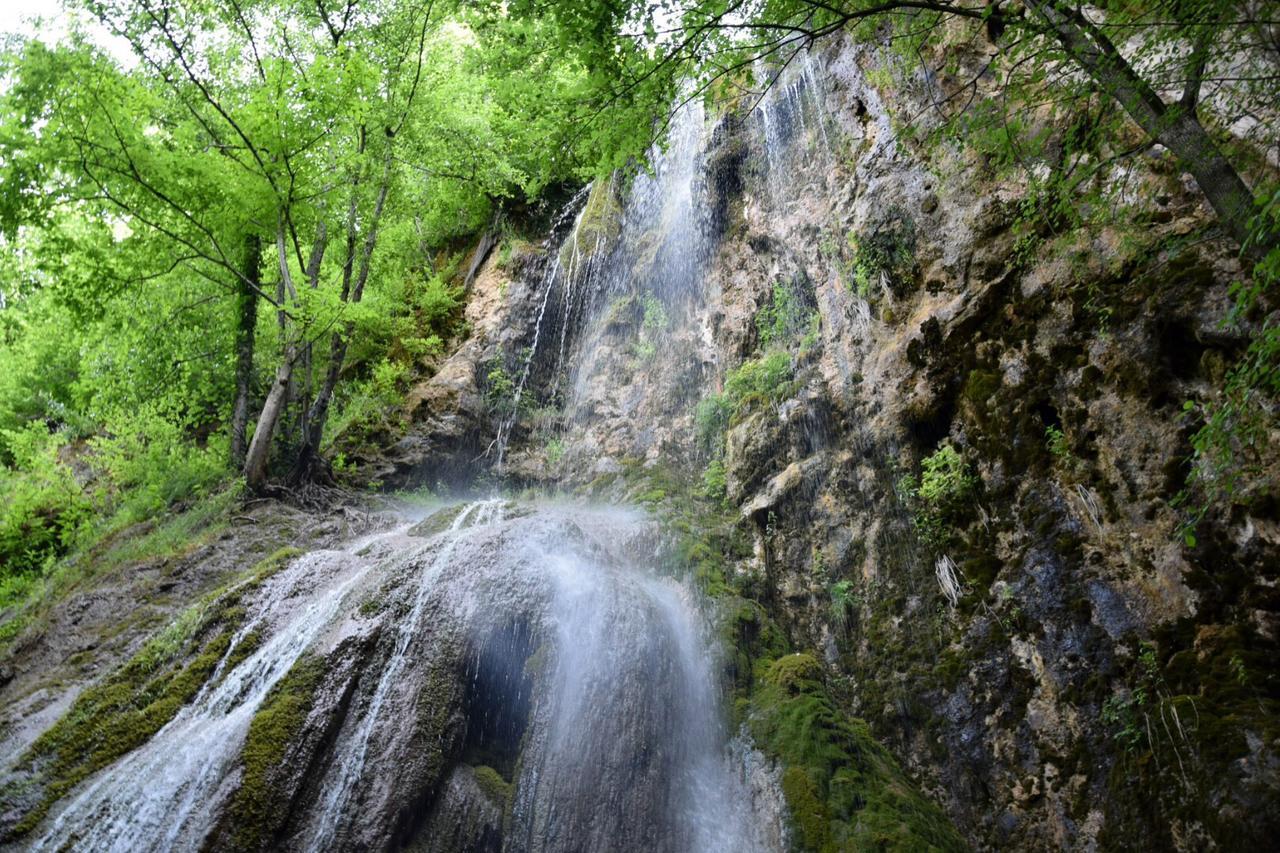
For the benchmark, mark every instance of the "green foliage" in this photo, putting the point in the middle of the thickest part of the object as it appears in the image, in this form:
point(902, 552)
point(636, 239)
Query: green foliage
point(945, 480)
point(883, 259)
point(758, 381)
point(715, 480)
point(653, 326)
point(784, 318)
point(1118, 713)
point(1126, 713)
point(152, 464)
point(1236, 440)
point(554, 451)
point(1055, 441)
point(843, 599)
point(43, 508)
point(500, 390)
point(940, 496)
point(844, 790)
point(368, 407)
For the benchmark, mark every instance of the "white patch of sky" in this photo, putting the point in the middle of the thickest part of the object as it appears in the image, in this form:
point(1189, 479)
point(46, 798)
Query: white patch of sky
point(50, 22)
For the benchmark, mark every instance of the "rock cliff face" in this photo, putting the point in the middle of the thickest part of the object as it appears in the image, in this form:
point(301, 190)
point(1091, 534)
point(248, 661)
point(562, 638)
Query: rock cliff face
point(948, 436)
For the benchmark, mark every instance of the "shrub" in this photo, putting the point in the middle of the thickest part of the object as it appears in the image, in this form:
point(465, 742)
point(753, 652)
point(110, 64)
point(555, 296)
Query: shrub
point(555, 451)
point(1236, 439)
point(939, 496)
point(151, 463)
point(761, 380)
point(945, 480)
point(715, 480)
point(784, 318)
point(500, 390)
point(44, 509)
point(1055, 441)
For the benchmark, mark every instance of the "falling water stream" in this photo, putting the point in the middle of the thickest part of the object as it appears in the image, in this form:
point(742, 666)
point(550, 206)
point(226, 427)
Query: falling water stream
point(598, 664)
point(553, 636)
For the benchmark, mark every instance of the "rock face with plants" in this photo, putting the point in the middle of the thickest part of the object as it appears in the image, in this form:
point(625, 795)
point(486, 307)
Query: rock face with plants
point(887, 462)
point(951, 438)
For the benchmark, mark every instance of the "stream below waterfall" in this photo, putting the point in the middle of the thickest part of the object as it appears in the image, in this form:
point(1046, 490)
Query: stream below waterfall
point(540, 642)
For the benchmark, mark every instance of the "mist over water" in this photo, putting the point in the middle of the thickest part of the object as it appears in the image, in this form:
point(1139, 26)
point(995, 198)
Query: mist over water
point(589, 676)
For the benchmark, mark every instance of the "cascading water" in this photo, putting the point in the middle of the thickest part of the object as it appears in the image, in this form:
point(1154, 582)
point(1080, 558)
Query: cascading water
point(540, 649)
point(163, 795)
point(566, 650)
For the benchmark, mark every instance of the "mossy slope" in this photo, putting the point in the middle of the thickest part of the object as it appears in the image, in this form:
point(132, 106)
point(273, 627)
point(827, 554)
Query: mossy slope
point(844, 790)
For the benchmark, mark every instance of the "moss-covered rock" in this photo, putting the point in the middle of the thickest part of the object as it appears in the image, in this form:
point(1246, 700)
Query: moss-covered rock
point(843, 788)
point(127, 708)
point(497, 789)
point(132, 704)
point(438, 521)
point(256, 812)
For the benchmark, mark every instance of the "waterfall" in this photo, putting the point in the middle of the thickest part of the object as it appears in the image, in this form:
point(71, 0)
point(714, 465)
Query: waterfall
point(585, 671)
point(163, 795)
point(545, 649)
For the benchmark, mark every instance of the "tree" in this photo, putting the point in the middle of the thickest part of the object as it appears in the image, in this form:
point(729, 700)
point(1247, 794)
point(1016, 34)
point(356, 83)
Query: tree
point(263, 148)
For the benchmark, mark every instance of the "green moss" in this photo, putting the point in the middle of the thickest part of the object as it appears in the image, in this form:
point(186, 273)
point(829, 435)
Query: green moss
point(1201, 702)
point(248, 644)
point(981, 570)
point(124, 712)
point(497, 789)
point(809, 815)
point(980, 387)
point(844, 790)
point(951, 667)
point(438, 522)
point(134, 702)
point(651, 497)
point(255, 812)
point(273, 563)
point(790, 673)
point(600, 220)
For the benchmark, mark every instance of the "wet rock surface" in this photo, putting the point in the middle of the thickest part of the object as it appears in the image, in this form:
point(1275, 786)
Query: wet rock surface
point(768, 341)
point(522, 678)
point(1054, 705)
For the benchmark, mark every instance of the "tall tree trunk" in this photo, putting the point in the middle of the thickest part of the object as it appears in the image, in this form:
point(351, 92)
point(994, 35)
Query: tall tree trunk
point(255, 463)
point(1177, 128)
point(1217, 179)
point(246, 323)
point(309, 465)
point(259, 454)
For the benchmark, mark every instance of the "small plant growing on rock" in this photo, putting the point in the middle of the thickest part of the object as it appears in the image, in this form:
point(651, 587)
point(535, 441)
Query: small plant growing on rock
point(843, 601)
point(945, 480)
point(715, 480)
point(1055, 441)
point(939, 496)
point(554, 451)
point(500, 390)
point(652, 327)
point(784, 318)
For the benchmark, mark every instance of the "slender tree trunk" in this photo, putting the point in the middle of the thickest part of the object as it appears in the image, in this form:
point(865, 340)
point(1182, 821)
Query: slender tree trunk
point(309, 465)
point(1217, 179)
point(255, 464)
point(1177, 128)
point(247, 321)
point(259, 454)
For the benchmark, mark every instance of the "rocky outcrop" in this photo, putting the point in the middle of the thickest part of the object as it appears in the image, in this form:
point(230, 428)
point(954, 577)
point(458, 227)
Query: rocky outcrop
point(1097, 682)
